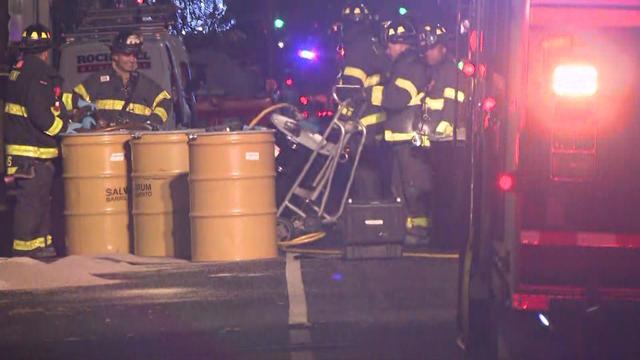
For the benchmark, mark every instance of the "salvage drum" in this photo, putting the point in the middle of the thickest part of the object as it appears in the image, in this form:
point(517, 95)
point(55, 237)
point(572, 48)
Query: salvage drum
point(96, 192)
point(232, 186)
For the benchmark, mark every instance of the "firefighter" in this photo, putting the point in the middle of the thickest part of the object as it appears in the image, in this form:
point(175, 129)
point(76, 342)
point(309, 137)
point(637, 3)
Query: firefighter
point(442, 108)
point(401, 97)
point(445, 95)
point(34, 118)
point(364, 64)
point(122, 94)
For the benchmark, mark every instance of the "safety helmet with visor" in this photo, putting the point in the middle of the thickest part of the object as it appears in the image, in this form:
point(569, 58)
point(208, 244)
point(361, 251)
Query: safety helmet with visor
point(432, 35)
point(127, 42)
point(36, 38)
point(356, 12)
point(400, 32)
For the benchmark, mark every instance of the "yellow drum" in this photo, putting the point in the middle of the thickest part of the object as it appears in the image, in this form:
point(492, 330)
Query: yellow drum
point(96, 192)
point(232, 186)
point(160, 163)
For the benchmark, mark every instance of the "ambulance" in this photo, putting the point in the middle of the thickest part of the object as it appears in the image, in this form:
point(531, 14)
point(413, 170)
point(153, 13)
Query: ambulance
point(555, 182)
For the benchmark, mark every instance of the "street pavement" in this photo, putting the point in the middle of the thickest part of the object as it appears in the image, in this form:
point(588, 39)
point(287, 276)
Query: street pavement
point(293, 307)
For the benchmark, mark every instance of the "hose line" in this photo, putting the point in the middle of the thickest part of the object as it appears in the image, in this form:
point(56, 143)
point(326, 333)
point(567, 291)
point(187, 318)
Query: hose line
point(304, 239)
point(268, 110)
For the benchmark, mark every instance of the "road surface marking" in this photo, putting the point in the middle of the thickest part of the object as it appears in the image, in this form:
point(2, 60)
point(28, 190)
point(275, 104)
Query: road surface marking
point(299, 335)
point(295, 287)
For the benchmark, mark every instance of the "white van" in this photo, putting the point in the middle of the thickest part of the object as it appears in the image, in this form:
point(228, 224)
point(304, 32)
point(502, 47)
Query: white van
point(164, 59)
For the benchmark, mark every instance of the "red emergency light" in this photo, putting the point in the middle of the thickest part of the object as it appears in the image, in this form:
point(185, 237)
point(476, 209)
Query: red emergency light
point(324, 113)
point(468, 69)
point(489, 104)
point(288, 82)
point(473, 41)
point(506, 182)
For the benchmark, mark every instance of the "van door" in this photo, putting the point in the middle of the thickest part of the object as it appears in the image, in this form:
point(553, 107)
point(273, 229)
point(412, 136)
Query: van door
point(183, 101)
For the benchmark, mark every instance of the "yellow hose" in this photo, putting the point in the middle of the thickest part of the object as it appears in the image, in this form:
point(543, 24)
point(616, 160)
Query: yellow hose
point(304, 239)
point(431, 255)
point(314, 252)
point(313, 237)
point(266, 111)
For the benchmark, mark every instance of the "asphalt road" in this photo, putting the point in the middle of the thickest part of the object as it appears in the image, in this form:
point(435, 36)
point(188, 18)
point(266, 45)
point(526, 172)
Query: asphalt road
point(288, 308)
point(309, 308)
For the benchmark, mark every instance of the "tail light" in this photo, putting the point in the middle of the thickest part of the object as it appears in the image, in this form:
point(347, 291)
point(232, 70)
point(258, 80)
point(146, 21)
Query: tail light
point(530, 302)
point(579, 239)
point(574, 80)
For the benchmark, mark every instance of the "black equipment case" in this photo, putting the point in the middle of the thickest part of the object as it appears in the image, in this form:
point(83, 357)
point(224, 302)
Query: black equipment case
point(374, 230)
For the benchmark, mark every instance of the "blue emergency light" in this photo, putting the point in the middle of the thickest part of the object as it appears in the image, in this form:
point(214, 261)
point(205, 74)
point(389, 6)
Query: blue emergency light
point(308, 54)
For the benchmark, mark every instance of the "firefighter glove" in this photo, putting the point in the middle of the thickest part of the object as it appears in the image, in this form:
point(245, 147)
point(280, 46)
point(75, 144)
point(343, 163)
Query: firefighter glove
point(82, 104)
point(88, 122)
point(73, 126)
point(444, 129)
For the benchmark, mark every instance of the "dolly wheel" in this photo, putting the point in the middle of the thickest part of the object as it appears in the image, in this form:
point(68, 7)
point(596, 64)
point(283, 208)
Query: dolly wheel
point(284, 229)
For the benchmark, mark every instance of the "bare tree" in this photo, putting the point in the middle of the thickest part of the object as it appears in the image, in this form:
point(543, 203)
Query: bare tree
point(202, 16)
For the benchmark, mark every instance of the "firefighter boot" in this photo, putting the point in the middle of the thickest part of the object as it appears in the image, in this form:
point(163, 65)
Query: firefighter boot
point(418, 232)
point(39, 253)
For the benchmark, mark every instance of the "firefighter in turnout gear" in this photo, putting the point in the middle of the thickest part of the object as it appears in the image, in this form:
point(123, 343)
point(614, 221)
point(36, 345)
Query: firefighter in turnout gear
point(122, 94)
point(34, 118)
point(444, 95)
point(364, 64)
point(443, 107)
point(401, 97)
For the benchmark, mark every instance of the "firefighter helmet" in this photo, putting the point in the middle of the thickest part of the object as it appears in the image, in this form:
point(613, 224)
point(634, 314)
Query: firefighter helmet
point(356, 12)
point(127, 42)
point(35, 39)
point(432, 35)
point(400, 32)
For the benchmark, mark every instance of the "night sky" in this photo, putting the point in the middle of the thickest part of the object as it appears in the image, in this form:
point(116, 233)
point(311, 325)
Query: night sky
point(328, 10)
